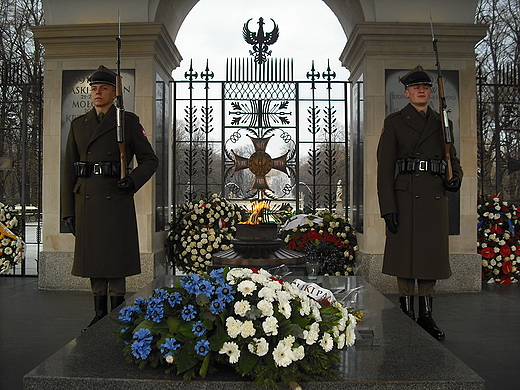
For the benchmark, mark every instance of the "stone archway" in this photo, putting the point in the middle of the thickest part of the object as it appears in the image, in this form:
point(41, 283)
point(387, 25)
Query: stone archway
point(381, 35)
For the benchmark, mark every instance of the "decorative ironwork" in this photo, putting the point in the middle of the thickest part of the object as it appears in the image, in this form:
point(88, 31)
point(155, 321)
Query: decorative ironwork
point(303, 122)
point(260, 40)
point(498, 137)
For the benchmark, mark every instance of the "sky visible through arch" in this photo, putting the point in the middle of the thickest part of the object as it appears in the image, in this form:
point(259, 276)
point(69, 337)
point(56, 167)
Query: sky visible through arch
point(309, 30)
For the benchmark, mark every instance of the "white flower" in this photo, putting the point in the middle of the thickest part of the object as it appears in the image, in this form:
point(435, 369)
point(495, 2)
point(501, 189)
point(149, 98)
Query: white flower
point(242, 307)
point(270, 326)
point(259, 347)
point(327, 342)
point(341, 341)
point(265, 307)
point(246, 287)
point(284, 307)
point(247, 329)
point(233, 327)
point(169, 359)
point(282, 355)
point(267, 293)
point(298, 353)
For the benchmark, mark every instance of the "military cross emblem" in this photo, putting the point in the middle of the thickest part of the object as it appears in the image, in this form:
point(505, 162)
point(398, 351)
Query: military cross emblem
point(260, 163)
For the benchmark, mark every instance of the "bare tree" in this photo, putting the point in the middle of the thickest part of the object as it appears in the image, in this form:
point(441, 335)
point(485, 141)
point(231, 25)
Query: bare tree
point(498, 63)
point(21, 73)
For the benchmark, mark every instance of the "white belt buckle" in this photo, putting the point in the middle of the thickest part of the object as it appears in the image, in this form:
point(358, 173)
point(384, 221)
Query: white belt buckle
point(423, 165)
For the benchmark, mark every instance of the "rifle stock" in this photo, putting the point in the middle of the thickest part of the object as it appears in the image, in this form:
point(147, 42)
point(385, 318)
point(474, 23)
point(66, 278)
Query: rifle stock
point(443, 111)
point(120, 110)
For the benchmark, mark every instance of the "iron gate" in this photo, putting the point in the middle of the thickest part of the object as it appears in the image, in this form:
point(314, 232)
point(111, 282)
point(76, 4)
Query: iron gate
point(498, 135)
point(21, 117)
point(220, 126)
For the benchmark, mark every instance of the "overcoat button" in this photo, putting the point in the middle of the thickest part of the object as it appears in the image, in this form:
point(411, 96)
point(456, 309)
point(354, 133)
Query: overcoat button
point(417, 175)
point(109, 154)
point(87, 197)
point(108, 197)
point(437, 197)
point(89, 152)
point(418, 153)
point(436, 154)
point(417, 196)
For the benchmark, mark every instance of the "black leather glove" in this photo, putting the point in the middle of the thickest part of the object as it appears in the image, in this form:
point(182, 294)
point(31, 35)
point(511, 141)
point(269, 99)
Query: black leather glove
point(70, 222)
point(126, 184)
point(453, 185)
point(391, 222)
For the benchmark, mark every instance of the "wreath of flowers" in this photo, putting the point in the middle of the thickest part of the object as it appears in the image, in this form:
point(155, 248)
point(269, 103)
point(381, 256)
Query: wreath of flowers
point(263, 327)
point(11, 244)
point(201, 228)
point(326, 238)
point(498, 240)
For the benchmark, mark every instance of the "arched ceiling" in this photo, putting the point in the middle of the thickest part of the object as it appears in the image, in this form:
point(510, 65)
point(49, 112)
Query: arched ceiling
point(173, 12)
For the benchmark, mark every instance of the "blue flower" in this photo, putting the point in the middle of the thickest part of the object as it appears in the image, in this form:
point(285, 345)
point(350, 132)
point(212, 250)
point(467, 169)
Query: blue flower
point(202, 347)
point(126, 314)
point(217, 306)
point(190, 283)
point(174, 298)
point(143, 334)
point(225, 292)
point(170, 344)
point(218, 275)
point(160, 294)
point(139, 303)
point(198, 329)
point(188, 313)
point(141, 348)
point(155, 312)
point(205, 287)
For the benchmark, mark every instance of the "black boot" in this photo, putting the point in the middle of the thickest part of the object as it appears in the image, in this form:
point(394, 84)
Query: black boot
point(406, 303)
point(116, 301)
point(425, 319)
point(101, 308)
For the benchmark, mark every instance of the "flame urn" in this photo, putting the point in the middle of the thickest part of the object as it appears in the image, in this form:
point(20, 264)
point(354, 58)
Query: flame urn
point(257, 245)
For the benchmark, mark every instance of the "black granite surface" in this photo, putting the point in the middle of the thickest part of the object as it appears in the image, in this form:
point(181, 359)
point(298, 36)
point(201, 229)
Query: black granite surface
point(391, 352)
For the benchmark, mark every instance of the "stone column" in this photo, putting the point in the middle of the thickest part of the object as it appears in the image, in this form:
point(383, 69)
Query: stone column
point(371, 49)
point(148, 49)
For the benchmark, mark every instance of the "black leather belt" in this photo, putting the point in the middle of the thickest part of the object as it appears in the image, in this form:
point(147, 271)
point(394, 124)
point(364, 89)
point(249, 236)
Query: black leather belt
point(104, 168)
point(412, 165)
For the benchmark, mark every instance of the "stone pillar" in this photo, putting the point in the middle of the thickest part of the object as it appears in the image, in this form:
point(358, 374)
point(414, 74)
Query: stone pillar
point(371, 49)
point(148, 49)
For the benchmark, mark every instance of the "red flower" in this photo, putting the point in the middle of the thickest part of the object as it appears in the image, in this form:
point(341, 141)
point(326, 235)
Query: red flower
point(496, 229)
point(488, 252)
point(507, 267)
point(505, 251)
point(505, 279)
point(517, 251)
point(255, 270)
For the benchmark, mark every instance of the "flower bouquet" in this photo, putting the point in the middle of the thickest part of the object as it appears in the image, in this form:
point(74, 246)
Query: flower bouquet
point(202, 227)
point(324, 237)
point(498, 240)
point(11, 244)
point(263, 327)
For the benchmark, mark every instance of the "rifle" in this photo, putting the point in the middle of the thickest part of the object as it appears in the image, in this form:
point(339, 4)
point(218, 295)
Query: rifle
point(120, 110)
point(443, 110)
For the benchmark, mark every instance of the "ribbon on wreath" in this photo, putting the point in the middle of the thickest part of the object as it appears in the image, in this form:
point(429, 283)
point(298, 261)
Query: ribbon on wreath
point(509, 222)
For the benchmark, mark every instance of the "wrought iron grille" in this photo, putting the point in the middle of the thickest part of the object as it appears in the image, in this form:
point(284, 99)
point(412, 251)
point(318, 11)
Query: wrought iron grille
point(304, 121)
point(21, 117)
point(499, 133)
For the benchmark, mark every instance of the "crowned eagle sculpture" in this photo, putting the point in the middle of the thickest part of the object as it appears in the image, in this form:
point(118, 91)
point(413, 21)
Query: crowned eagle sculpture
point(260, 40)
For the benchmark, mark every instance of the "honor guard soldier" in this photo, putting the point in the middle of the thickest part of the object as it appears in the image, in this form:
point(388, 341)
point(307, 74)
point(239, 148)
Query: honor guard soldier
point(97, 204)
point(412, 195)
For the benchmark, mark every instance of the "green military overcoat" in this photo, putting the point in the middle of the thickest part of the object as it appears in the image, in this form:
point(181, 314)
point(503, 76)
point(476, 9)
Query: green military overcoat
point(106, 226)
point(420, 248)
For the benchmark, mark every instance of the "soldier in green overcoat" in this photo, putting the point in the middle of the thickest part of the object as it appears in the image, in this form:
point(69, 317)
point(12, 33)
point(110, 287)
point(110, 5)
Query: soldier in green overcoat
point(412, 189)
point(96, 204)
